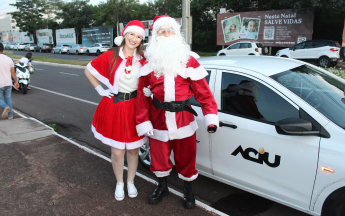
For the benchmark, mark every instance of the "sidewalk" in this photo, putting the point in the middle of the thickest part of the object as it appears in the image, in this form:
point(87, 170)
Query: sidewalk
point(43, 174)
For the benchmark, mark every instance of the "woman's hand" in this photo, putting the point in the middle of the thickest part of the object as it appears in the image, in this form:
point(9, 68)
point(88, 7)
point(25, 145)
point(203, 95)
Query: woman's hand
point(103, 92)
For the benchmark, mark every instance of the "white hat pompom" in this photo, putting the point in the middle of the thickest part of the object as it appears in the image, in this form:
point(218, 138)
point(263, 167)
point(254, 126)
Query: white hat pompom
point(118, 40)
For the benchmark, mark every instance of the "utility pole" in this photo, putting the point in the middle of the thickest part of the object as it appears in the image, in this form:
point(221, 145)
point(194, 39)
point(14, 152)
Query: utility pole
point(117, 18)
point(186, 21)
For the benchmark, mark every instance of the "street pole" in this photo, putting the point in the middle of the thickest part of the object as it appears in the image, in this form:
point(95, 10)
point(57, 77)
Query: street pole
point(117, 19)
point(186, 21)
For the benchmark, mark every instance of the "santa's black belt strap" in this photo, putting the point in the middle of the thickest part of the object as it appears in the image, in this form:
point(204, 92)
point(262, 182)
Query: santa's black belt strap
point(121, 96)
point(174, 106)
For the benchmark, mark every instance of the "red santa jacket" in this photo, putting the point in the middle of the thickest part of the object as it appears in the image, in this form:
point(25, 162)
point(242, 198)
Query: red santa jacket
point(174, 125)
point(100, 68)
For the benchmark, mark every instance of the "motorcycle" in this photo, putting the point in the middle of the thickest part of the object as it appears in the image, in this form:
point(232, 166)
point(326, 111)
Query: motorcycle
point(23, 76)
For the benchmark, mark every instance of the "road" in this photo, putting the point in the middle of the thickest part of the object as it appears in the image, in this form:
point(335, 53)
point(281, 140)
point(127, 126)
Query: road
point(63, 96)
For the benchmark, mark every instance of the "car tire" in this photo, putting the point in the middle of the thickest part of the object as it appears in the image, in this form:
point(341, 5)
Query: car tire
point(251, 54)
point(76, 52)
point(284, 56)
point(87, 52)
point(324, 61)
point(40, 50)
point(60, 52)
point(24, 89)
point(342, 54)
point(144, 155)
point(222, 54)
point(98, 52)
point(264, 50)
point(68, 52)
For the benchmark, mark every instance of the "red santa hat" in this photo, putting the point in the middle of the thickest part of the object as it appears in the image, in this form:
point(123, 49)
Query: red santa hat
point(165, 21)
point(133, 26)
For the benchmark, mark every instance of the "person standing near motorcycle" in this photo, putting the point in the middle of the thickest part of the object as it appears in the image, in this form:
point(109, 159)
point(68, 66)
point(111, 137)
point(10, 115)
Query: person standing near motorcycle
point(114, 119)
point(25, 60)
point(6, 70)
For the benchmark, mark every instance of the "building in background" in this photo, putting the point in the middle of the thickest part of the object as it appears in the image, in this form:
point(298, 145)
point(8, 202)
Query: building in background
point(7, 23)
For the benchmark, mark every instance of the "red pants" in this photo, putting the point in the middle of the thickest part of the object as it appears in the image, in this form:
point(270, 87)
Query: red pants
point(184, 155)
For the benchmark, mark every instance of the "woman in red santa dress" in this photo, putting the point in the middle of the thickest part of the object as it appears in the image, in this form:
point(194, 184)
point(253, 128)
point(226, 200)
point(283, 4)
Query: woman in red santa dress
point(114, 120)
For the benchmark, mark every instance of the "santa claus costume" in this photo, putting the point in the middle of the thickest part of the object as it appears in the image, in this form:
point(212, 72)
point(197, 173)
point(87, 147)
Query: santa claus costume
point(114, 119)
point(173, 77)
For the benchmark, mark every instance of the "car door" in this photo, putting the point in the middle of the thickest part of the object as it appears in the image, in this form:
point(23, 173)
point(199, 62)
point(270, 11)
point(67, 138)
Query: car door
point(233, 49)
point(308, 50)
point(245, 48)
point(203, 161)
point(249, 153)
point(297, 51)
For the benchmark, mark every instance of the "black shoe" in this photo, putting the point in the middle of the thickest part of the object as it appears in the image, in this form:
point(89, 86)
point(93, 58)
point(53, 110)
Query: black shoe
point(189, 200)
point(161, 191)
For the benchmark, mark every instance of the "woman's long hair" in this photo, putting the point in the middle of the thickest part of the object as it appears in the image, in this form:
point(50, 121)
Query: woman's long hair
point(116, 50)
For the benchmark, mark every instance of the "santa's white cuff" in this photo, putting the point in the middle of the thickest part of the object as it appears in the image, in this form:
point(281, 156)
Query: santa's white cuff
point(192, 178)
point(161, 174)
point(144, 127)
point(211, 119)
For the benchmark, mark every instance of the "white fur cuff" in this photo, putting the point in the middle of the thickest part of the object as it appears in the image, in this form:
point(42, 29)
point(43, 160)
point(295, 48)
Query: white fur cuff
point(211, 119)
point(161, 174)
point(144, 127)
point(192, 178)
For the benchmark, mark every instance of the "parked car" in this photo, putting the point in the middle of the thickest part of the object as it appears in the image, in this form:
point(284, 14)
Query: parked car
point(21, 46)
point(281, 131)
point(97, 48)
point(43, 47)
point(9, 46)
point(77, 49)
point(244, 48)
point(325, 52)
point(60, 49)
point(30, 47)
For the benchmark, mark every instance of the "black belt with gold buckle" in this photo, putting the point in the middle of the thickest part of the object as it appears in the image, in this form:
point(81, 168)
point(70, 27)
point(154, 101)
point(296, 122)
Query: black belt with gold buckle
point(121, 96)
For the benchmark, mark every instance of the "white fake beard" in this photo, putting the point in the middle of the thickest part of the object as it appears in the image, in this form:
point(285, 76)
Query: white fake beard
point(167, 55)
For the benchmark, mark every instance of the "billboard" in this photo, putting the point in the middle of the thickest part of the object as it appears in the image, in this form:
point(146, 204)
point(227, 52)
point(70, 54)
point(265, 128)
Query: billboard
point(272, 28)
point(44, 36)
point(17, 37)
point(99, 34)
point(65, 36)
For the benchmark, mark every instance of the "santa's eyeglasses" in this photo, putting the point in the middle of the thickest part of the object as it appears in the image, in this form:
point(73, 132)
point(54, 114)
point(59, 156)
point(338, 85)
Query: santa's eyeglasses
point(163, 31)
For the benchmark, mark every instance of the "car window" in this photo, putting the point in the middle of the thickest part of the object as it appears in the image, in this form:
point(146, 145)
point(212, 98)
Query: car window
point(300, 46)
point(192, 99)
point(245, 45)
point(245, 97)
point(235, 46)
point(308, 45)
point(260, 45)
point(105, 45)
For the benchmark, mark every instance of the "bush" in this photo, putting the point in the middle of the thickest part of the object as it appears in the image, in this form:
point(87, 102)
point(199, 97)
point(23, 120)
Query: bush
point(337, 71)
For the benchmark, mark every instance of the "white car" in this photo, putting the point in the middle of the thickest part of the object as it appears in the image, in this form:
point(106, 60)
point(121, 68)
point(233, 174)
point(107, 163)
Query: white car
point(60, 49)
point(325, 52)
point(21, 46)
point(97, 48)
point(281, 134)
point(244, 48)
point(77, 49)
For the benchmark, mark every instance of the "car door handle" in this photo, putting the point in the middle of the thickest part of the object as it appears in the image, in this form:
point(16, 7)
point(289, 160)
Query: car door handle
point(222, 124)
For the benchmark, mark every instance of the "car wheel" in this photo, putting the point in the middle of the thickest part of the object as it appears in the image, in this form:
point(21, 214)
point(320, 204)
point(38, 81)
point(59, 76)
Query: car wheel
point(338, 208)
point(251, 54)
point(324, 61)
point(76, 52)
point(68, 52)
point(87, 52)
point(264, 50)
point(222, 54)
point(284, 56)
point(60, 52)
point(24, 89)
point(341, 52)
point(144, 155)
point(40, 50)
point(98, 52)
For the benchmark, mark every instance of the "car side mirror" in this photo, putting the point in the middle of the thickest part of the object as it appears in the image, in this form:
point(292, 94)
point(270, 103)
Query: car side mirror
point(295, 126)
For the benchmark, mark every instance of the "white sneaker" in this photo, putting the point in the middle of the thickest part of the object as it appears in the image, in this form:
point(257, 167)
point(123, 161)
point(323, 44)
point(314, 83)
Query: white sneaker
point(132, 190)
point(119, 191)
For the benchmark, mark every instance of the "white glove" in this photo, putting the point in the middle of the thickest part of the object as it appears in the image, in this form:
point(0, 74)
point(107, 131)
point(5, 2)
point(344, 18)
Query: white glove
point(104, 93)
point(147, 91)
point(150, 133)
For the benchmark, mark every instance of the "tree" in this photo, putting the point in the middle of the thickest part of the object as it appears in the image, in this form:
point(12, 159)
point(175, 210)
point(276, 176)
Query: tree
point(76, 14)
point(29, 16)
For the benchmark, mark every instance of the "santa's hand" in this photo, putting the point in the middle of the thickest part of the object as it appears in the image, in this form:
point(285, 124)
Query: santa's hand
point(104, 93)
point(147, 91)
point(150, 133)
point(212, 128)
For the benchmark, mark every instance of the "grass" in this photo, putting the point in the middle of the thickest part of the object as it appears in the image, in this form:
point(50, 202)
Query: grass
point(207, 54)
point(48, 59)
point(337, 71)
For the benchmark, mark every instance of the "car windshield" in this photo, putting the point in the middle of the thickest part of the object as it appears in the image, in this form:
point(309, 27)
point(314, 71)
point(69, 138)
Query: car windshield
point(319, 89)
point(105, 45)
point(260, 45)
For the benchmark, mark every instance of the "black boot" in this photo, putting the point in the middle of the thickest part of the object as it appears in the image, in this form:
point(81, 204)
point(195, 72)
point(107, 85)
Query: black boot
point(189, 200)
point(161, 191)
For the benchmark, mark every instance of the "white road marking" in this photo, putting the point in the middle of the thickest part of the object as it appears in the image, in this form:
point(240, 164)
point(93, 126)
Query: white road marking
point(74, 98)
point(69, 74)
point(177, 193)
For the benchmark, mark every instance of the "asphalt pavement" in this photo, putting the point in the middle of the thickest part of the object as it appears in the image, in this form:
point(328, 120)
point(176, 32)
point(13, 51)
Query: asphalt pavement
point(63, 96)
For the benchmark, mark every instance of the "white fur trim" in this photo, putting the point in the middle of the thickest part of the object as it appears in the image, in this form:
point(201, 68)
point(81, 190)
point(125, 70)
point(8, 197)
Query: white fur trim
point(194, 74)
point(144, 127)
point(211, 119)
point(136, 29)
point(166, 21)
point(116, 144)
point(101, 78)
point(192, 178)
point(118, 40)
point(145, 70)
point(194, 54)
point(161, 174)
point(183, 132)
point(169, 95)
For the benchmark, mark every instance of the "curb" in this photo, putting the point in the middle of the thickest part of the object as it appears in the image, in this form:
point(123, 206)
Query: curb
point(57, 64)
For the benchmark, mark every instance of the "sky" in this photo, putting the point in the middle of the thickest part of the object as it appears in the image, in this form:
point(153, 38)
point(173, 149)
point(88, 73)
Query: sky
point(6, 7)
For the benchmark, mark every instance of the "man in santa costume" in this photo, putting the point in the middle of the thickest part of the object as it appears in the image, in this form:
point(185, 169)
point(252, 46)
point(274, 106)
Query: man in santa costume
point(173, 76)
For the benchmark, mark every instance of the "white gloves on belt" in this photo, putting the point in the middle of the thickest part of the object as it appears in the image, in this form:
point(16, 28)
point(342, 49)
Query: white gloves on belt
point(104, 93)
point(147, 91)
point(150, 133)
